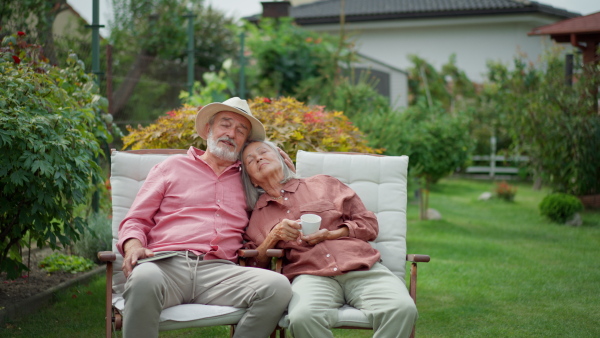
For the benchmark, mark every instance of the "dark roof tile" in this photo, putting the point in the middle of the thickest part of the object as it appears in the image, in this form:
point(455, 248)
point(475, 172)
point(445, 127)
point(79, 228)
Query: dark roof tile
point(414, 8)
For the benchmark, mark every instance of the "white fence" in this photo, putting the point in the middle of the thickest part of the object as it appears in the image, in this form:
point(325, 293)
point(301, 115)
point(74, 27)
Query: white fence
point(492, 169)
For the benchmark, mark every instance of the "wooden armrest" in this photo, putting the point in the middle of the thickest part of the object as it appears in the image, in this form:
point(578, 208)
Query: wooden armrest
point(418, 258)
point(275, 253)
point(107, 256)
point(247, 253)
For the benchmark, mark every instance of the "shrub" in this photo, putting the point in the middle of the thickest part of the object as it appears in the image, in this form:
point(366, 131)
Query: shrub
point(560, 207)
point(176, 129)
point(97, 238)
point(555, 124)
point(61, 262)
point(51, 129)
point(505, 191)
point(291, 124)
point(294, 126)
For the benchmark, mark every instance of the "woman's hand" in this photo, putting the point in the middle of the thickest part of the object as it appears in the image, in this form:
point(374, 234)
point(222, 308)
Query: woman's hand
point(325, 234)
point(286, 230)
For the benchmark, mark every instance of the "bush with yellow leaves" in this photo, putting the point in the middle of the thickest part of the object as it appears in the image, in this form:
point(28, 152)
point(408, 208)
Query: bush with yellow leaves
point(290, 124)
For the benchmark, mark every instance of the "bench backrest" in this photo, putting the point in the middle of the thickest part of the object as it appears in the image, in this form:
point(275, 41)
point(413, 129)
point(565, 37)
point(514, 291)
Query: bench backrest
point(381, 183)
point(128, 172)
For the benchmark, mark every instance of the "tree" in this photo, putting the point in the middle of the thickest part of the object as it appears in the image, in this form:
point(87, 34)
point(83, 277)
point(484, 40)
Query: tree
point(293, 61)
point(150, 39)
point(553, 123)
point(51, 129)
point(436, 141)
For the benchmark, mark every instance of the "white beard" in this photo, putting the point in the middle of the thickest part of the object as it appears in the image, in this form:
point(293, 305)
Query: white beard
point(221, 151)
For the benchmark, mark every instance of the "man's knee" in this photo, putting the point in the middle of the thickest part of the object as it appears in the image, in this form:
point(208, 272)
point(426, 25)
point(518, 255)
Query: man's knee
point(278, 286)
point(144, 278)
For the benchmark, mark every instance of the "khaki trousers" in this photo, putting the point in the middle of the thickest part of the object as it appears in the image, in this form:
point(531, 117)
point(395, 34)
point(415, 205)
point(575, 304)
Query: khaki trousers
point(157, 285)
point(378, 293)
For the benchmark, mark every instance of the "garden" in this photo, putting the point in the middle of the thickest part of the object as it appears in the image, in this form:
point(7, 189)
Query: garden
point(519, 262)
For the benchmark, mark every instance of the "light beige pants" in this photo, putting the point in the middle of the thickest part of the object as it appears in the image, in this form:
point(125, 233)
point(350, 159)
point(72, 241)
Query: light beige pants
point(154, 286)
point(378, 293)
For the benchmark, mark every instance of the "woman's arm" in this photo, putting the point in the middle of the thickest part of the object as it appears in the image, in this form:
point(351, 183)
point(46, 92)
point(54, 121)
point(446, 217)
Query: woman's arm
point(325, 234)
point(286, 230)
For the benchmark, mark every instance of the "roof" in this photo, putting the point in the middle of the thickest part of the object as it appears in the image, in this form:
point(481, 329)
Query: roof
point(328, 11)
point(583, 24)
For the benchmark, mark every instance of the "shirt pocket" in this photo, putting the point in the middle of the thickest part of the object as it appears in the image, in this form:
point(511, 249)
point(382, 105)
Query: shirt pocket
point(330, 216)
point(317, 206)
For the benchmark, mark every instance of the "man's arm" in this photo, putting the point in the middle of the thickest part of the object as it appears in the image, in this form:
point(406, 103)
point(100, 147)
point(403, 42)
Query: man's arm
point(140, 220)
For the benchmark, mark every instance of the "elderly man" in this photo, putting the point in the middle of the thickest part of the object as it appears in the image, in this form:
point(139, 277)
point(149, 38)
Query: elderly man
point(194, 206)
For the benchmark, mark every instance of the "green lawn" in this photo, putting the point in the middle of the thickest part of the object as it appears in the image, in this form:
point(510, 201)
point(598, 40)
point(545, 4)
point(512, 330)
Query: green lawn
point(497, 269)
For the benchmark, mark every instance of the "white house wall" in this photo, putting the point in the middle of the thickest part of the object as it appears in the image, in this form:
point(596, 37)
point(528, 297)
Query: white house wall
point(475, 40)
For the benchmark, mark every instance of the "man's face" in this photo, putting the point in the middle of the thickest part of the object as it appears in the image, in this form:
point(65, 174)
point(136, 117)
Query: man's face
point(227, 135)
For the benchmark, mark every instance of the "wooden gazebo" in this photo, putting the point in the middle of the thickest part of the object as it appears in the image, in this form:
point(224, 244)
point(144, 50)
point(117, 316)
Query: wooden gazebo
point(582, 32)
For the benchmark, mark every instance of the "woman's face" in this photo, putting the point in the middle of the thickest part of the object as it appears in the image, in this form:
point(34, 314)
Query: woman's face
point(262, 163)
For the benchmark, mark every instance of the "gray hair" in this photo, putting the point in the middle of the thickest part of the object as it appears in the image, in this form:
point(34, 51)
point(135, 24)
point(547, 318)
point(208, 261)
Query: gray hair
point(252, 192)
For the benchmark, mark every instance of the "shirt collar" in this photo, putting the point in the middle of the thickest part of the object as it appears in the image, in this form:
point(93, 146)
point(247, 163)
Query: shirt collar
point(291, 186)
point(195, 153)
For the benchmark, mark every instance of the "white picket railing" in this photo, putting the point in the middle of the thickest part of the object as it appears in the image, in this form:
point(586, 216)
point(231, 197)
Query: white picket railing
point(492, 169)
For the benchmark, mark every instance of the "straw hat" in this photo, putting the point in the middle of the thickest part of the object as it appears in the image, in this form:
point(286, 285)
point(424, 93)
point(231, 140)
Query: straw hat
point(235, 105)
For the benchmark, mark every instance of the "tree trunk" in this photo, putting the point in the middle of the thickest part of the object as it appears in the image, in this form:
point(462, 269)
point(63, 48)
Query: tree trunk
point(125, 90)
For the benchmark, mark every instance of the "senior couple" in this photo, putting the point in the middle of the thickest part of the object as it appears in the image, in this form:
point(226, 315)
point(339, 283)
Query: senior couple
point(197, 205)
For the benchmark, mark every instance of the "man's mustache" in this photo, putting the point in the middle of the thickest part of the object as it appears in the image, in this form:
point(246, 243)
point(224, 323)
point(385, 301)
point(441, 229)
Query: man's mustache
point(228, 139)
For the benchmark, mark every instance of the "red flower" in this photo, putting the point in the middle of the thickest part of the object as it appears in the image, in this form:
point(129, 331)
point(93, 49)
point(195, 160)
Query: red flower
point(19, 33)
point(16, 58)
point(171, 113)
point(266, 100)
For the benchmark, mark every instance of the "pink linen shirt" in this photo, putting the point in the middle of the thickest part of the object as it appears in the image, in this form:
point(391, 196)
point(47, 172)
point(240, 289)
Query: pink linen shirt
point(184, 205)
point(338, 205)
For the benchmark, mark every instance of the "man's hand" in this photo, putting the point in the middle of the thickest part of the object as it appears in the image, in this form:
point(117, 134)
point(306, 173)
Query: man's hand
point(133, 251)
point(287, 160)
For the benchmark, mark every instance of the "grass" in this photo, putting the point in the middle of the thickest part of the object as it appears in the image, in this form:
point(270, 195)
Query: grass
point(497, 269)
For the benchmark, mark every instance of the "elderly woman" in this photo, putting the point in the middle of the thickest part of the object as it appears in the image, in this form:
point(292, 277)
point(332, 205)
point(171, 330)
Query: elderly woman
point(329, 268)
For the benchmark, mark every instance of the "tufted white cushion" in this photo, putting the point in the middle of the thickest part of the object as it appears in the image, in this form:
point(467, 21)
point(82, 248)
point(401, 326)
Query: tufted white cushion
point(128, 172)
point(381, 183)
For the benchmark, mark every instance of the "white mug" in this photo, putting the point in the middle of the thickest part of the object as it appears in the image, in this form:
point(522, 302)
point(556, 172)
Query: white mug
point(310, 223)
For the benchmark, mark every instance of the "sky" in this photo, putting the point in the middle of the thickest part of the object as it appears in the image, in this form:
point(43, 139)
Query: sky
point(243, 8)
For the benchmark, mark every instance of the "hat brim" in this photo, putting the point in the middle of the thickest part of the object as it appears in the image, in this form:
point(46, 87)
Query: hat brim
point(204, 115)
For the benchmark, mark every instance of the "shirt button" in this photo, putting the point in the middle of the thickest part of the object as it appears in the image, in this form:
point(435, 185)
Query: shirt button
point(334, 269)
point(328, 255)
point(285, 199)
point(282, 190)
point(288, 211)
point(218, 215)
point(218, 200)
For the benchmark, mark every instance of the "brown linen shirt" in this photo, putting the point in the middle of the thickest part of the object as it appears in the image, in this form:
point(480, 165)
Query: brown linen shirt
point(338, 205)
